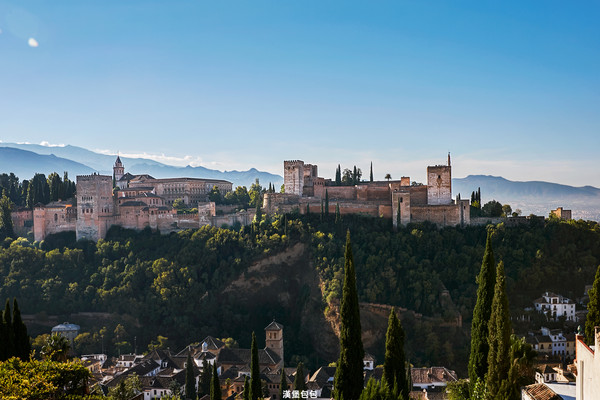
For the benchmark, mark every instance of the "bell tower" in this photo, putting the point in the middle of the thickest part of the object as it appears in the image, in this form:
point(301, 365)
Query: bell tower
point(118, 170)
point(274, 338)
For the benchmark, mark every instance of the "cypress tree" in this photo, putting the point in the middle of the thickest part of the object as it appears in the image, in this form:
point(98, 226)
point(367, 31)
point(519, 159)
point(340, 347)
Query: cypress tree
point(307, 209)
point(247, 388)
point(478, 360)
point(338, 216)
point(215, 385)
point(21, 338)
point(299, 383)
point(190, 379)
point(255, 383)
point(258, 215)
point(9, 331)
point(6, 224)
point(348, 380)
point(371, 173)
point(394, 366)
point(322, 210)
point(355, 176)
point(205, 379)
point(3, 339)
point(283, 385)
point(338, 176)
point(326, 203)
point(593, 317)
point(499, 340)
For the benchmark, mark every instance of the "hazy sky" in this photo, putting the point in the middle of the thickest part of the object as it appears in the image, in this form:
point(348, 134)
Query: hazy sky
point(511, 88)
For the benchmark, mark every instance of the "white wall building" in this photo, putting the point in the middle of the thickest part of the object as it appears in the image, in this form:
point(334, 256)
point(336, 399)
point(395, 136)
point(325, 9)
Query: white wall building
point(554, 306)
point(588, 368)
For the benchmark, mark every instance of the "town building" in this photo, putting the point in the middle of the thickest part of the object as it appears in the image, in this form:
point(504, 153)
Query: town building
point(588, 368)
point(555, 306)
point(399, 200)
point(562, 214)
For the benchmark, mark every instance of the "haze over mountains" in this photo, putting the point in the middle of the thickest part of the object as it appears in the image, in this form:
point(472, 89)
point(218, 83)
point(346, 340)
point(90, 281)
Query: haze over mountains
point(32, 158)
point(531, 197)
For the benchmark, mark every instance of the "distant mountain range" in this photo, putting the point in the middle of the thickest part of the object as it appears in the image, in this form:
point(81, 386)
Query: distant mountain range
point(27, 159)
point(531, 197)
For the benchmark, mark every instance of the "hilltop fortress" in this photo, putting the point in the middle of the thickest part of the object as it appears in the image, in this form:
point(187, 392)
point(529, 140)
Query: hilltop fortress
point(130, 201)
point(306, 192)
point(142, 201)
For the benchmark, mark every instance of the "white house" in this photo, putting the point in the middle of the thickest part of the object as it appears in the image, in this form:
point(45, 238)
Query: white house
point(554, 306)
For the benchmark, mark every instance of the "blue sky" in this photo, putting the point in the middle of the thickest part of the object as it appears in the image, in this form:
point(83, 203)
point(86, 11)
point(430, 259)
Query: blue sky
point(510, 88)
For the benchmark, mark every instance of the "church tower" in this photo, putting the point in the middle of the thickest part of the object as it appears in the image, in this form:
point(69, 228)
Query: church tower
point(274, 338)
point(118, 170)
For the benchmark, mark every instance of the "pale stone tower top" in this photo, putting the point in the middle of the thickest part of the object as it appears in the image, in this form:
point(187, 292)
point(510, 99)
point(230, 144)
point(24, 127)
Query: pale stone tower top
point(118, 169)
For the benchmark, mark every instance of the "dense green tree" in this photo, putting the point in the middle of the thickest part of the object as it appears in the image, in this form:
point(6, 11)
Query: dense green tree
point(34, 380)
point(492, 209)
point(522, 360)
point(299, 383)
point(56, 348)
point(326, 203)
point(247, 389)
point(283, 384)
point(388, 177)
point(6, 224)
point(205, 378)
point(338, 216)
point(593, 316)
point(371, 173)
point(347, 177)
point(190, 379)
point(255, 385)
point(256, 193)
point(377, 390)
point(215, 195)
point(9, 333)
point(348, 380)
point(258, 213)
point(394, 366)
point(486, 280)
point(499, 340)
point(21, 338)
point(126, 389)
point(215, 385)
point(338, 176)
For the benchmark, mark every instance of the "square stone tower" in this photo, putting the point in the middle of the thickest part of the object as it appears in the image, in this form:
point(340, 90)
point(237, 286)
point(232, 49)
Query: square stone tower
point(293, 177)
point(439, 184)
point(95, 206)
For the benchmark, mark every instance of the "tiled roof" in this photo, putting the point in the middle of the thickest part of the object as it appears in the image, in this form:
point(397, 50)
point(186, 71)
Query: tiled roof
point(539, 391)
point(243, 356)
point(274, 326)
point(431, 375)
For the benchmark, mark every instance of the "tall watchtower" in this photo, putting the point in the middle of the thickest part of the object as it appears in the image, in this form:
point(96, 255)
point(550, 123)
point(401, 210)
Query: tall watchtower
point(274, 338)
point(95, 206)
point(118, 169)
point(439, 184)
point(293, 177)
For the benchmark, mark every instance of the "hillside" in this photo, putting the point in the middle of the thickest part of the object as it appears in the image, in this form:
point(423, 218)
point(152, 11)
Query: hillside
point(226, 283)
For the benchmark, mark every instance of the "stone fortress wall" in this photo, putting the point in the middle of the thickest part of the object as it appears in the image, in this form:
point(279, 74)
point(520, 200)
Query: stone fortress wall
point(138, 202)
point(431, 202)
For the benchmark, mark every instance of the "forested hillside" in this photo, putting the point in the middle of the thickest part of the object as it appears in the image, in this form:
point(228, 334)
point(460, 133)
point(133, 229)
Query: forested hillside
point(180, 286)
